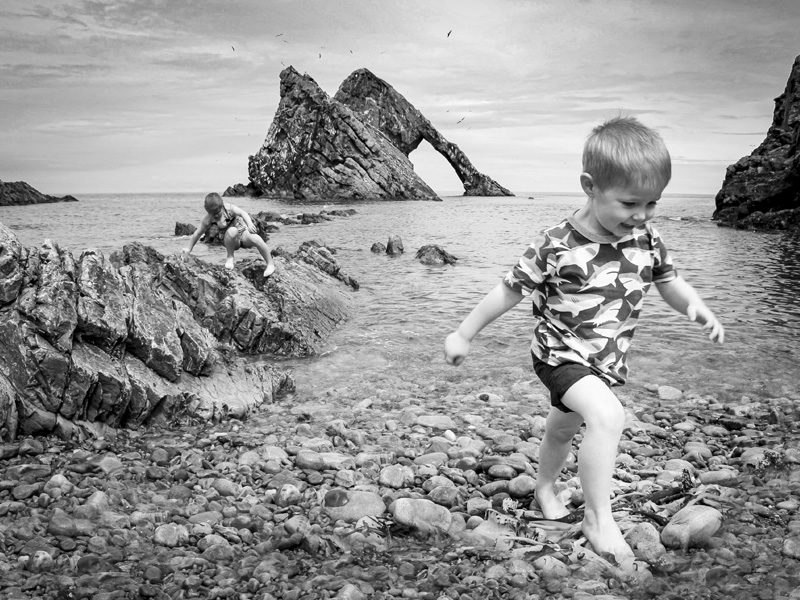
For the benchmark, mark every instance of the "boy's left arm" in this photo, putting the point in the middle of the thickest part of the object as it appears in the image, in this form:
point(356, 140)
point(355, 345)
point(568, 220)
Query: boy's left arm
point(246, 216)
point(682, 297)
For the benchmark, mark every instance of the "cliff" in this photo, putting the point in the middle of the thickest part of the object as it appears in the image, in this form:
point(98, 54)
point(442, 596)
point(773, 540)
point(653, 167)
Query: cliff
point(762, 190)
point(13, 193)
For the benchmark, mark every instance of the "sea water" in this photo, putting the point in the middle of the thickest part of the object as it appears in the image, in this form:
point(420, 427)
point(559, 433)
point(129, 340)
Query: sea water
point(404, 309)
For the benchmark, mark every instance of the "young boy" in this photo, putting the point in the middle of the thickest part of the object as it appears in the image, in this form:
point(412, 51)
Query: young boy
point(238, 227)
point(587, 277)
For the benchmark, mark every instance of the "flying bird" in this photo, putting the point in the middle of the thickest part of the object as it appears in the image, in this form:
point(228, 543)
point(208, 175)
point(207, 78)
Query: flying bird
point(449, 32)
point(459, 121)
point(320, 54)
point(279, 35)
point(232, 48)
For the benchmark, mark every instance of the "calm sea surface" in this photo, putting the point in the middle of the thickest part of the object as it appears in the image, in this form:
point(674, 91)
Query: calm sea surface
point(405, 310)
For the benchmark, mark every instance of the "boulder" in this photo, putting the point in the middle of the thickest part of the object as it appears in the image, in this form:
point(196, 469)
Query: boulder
point(18, 192)
point(142, 337)
point(762, 190)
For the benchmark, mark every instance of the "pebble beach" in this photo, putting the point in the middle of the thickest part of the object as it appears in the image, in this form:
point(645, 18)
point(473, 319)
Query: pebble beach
point(413, 492)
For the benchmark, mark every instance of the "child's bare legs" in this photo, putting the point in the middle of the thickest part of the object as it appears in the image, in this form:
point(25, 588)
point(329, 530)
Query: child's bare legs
point(556, 445)
point(231, 241)
point(605, 420)
point(253, 240)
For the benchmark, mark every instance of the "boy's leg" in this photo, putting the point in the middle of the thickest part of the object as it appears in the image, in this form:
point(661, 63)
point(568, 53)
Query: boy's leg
point(253, 240)
point(231, 241)
point(605, 420)
point(556, 445)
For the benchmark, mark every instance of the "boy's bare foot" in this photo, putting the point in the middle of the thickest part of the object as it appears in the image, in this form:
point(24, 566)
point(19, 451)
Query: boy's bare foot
point(229, 263)
point(269, 270)
point(607, 540)
point(552, 507)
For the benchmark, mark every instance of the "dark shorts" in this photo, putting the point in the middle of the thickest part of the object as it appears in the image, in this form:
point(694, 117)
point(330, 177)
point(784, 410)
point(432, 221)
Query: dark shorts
point(560, 378)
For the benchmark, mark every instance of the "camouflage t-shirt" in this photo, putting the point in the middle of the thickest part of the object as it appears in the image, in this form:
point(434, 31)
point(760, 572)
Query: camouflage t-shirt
point(587, 293)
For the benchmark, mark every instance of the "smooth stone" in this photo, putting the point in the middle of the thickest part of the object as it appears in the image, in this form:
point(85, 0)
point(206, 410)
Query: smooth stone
point(667, 392)
point(691, 526)
point(720, 477)
point(171, 535)
point(441, 422)
point(436, 459)
point(309, 459)
point(502, 472)
point(352, 505)
point(521, 486)
point(273, 453)
point(446, 495)
point(396, 476)
point(424, 515)
point(478, 506)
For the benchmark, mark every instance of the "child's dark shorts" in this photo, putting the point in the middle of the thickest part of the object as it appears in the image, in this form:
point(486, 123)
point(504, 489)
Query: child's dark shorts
point(558, 379)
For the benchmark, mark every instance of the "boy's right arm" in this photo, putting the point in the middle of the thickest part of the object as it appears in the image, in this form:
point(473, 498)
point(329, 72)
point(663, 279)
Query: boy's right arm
point(497, 302)
point(197, 233)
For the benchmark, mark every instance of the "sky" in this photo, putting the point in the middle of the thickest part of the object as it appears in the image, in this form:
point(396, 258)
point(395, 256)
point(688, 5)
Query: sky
point(174, 95)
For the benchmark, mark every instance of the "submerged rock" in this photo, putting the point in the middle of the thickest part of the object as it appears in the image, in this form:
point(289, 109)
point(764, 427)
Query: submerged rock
point(762, 190)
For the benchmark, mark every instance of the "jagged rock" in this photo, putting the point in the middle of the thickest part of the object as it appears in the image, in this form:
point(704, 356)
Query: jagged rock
point(19, 192)
point(434, 255)
point(394, 246)
point(318, 149)
point(762, 190)
point(143, 337)
point(318, 254)
point(378, 248)
point(380, 105)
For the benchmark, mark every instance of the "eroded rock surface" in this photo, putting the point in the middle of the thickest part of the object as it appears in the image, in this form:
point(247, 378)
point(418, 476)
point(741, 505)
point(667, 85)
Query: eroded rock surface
point(762, 190)
point(140, 336)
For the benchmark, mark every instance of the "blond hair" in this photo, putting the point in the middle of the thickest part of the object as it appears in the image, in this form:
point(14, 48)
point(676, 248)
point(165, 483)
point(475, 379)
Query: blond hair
point(212, 202)
point(623, 152)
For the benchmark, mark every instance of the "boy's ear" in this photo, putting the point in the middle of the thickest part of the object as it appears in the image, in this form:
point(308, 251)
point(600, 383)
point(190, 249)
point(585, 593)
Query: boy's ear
point(587, 183)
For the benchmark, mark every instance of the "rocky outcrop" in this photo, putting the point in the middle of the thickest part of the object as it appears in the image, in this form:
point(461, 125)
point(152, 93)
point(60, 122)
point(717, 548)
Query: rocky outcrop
point(353, 146)
point(141, 337)
point(762, 190)
point(318, 149)
point(380, 105)
point(18, 192)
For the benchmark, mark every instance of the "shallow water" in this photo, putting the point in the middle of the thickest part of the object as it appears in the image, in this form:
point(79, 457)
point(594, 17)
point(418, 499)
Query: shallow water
point(405, 309)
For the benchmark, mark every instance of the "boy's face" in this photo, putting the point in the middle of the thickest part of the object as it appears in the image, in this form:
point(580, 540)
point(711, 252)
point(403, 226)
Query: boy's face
point(214, 212)
point(620, 209)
